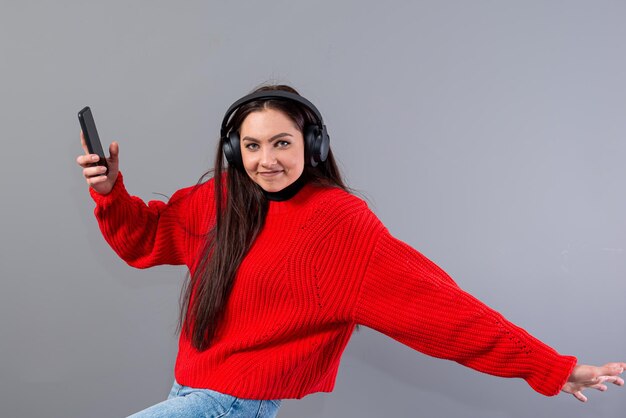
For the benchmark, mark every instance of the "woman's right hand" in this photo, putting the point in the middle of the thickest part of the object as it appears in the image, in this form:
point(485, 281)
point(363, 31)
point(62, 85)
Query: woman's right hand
point(95, 175)
point(584, 377)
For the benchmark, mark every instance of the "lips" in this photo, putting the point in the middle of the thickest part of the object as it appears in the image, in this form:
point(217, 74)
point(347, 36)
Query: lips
point(269, 173)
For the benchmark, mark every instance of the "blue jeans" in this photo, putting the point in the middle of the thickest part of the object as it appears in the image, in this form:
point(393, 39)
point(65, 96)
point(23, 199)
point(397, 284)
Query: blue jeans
point(186, 402)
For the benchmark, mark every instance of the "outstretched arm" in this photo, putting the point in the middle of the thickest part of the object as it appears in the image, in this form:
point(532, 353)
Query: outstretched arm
point(407, 297)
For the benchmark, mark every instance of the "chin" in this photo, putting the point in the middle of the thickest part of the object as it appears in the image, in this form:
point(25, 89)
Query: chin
point(275, 186)
point(272, 188)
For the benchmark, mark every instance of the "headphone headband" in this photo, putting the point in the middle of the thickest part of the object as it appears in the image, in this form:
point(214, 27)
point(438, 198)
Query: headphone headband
point(269, 94)
point(316, 139)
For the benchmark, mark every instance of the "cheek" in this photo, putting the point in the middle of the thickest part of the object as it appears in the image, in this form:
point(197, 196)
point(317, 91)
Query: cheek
point(296, 161)
point(301, 163)
point(297, 158)
point(249, 162)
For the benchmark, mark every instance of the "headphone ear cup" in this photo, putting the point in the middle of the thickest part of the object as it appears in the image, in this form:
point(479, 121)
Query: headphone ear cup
point(317, 144)
point(312, 143)
point(232, 150)
point(324, 145)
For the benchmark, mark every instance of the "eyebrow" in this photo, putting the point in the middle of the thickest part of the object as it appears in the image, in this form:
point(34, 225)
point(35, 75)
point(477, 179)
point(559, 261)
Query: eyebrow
point(275, 137)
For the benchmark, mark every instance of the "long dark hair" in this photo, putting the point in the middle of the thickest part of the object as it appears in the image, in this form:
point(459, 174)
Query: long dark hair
point(240, 211)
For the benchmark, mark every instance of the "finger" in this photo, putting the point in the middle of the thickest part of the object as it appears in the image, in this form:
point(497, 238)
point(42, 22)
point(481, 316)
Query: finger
point(87, 160)
point(611, 379)
point(612, 369)
point(91, 172)
point(96, 180)
point(579, 395)
point(598, 382)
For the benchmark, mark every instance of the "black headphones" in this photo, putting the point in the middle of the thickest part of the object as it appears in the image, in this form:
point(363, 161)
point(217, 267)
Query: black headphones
point(316, 139)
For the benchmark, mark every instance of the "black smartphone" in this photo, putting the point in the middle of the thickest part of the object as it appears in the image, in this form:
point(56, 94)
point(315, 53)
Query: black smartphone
point(90, 133)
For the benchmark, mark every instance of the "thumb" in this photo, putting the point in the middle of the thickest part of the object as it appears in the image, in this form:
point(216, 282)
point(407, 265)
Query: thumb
point(114, 150)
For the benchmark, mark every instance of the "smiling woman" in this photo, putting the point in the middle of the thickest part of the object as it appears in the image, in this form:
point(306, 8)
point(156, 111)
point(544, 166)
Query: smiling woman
point(274, 161)
point(284, 262)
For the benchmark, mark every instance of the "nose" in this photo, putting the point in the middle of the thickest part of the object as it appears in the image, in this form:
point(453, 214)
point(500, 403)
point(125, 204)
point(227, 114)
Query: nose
point(268, 157)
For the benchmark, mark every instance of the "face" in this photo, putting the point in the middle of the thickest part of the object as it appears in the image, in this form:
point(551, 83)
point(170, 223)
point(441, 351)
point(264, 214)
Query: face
point(272, 149)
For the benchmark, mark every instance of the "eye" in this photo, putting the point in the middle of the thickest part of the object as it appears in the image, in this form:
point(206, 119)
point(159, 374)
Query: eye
point(252, 146)
point(282, 144)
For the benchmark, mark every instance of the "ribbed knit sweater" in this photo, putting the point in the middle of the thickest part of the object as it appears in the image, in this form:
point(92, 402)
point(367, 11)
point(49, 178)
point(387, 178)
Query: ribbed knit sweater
point(322, 263)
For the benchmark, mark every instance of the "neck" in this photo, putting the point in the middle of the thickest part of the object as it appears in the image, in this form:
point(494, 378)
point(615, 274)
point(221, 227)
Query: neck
point(288, 192)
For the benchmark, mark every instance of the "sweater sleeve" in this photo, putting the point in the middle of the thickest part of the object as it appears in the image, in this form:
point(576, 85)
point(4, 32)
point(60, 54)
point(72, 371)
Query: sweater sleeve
point(144, 235)
point(407, 297)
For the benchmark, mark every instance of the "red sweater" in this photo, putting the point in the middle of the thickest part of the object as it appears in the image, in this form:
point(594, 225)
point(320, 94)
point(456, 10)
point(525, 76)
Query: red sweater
point(322, 264)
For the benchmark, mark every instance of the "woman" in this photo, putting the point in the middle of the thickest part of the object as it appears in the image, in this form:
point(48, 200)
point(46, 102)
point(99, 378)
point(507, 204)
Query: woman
point(284, 262)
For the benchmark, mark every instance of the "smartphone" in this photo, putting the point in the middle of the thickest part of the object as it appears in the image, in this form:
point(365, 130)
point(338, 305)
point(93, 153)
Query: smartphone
point(90, 133)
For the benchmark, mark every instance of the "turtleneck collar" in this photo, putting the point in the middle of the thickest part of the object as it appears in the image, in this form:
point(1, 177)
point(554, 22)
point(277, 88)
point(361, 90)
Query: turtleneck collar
point(288, 192)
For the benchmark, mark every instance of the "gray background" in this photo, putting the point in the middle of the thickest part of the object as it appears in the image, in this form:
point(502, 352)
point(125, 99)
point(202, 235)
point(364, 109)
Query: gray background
point(487, 134)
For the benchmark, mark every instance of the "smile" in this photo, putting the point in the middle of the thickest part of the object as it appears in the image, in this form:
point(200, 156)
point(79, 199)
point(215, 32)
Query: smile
point(269, 173)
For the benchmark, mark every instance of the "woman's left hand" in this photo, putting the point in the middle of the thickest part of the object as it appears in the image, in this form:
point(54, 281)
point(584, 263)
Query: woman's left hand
point(584, 377)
